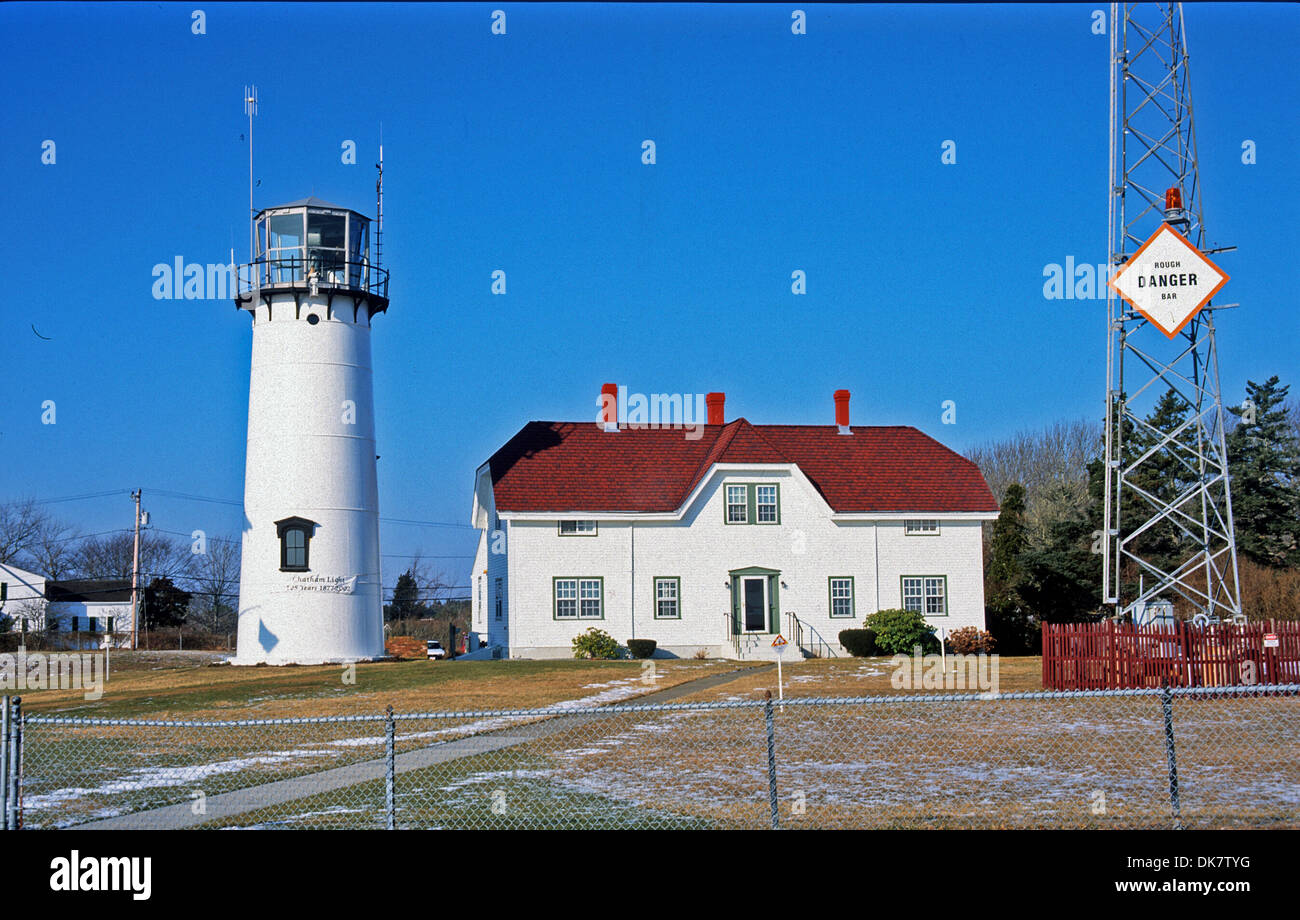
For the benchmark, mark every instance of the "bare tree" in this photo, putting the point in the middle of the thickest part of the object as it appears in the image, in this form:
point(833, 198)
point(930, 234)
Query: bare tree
point(216, 584)
point(30, 614)
point(110, 556)
point(434, 584)
point(53, 549)
point(19, 523)
point(1051, 463)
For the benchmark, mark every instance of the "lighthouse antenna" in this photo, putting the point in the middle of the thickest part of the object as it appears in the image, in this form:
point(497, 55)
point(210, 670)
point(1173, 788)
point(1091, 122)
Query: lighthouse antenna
point(250, 109)
point(379, 207)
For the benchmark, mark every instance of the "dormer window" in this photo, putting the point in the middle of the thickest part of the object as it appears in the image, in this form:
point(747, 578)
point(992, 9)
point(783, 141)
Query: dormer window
point(295, 535)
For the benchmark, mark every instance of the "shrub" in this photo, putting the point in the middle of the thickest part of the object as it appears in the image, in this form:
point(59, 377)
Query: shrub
point(898, 631)
point(971, 641)
point(642, 648)
point(701, 654)
point(595, 643)
point(405, 647)
point(860, 643)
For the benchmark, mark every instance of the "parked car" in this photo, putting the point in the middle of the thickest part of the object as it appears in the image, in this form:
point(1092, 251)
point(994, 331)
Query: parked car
point(435, 649)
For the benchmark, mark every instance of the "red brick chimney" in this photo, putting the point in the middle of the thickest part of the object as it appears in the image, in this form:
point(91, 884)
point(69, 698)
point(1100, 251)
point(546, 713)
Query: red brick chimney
point(842, 411)
point(609, 406)
point(716, 403)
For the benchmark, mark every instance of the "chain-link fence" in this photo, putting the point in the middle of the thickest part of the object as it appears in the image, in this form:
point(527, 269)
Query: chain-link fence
point(1204, 757)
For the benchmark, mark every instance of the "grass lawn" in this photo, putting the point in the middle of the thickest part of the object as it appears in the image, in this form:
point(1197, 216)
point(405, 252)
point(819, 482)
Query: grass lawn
point(189, 686)
point(856, 677)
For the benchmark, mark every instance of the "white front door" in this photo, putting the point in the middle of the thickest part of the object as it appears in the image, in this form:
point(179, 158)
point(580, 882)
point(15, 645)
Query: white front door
point(753, 604)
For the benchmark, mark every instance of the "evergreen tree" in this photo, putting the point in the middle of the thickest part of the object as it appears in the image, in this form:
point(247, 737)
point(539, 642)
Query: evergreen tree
point(1009, 536)
point(1165, 475)
point(406, 600)
point(1264, 468)
point(1009, 619)
point(165, 605)
point(1062, 580)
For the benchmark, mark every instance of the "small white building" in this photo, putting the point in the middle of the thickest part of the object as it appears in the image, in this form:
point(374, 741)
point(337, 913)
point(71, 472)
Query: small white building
point(721, 541)
point(83, 611)
point(90, 612)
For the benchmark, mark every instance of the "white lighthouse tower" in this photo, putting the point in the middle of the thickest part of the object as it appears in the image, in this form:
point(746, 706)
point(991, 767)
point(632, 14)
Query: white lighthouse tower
point(309, 589)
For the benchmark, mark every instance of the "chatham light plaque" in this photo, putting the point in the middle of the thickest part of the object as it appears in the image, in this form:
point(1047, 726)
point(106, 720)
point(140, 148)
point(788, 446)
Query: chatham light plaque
point(1168, 280)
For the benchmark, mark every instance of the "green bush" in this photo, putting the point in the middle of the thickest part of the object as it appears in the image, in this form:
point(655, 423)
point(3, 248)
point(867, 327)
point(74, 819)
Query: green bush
point(596, 643)
point(898, 631)
point(642, 648)
point(860, 643)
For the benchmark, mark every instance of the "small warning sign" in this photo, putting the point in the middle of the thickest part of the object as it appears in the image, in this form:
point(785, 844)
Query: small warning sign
point(1168, 280)
point(1270, 640)
point(779, 643)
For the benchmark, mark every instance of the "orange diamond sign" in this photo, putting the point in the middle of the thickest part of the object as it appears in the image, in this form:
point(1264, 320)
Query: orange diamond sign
point(1168, 280)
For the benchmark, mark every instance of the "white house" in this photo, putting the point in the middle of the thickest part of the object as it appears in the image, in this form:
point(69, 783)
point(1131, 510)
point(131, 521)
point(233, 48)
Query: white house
point(721, 540)
point(86, 609)
point(22, 596)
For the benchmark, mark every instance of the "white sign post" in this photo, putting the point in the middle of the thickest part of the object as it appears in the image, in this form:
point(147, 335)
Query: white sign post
point(1168, 280)
point(779, 644)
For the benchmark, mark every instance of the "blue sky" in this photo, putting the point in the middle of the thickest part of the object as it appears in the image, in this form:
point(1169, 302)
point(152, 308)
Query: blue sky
point(522, 152)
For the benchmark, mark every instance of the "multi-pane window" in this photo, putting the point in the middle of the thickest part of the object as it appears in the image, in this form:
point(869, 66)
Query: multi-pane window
point(577, 528)
point(737, 505)
point(926, 594)
point(579, 598)
point(295, 540)
point(295, 548)
point(566, 598)
point(668, 598)
point(921, 526)
point(589, 596)
point(841, 590)
point(753, 504)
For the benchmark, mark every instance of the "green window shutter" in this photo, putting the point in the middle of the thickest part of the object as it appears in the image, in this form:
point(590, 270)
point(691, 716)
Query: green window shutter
point(735, 605)
point(750, 492)
point(774, 598)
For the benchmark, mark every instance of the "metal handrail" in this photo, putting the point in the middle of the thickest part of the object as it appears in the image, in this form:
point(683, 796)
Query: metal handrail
point(796, 631)
point(296, 270)
point(731, 632)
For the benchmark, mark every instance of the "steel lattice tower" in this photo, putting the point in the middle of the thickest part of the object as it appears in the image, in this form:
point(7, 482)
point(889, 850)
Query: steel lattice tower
point(1153, 149)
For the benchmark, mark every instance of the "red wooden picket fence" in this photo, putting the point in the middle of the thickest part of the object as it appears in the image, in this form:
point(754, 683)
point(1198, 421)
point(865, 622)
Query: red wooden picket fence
point(1120, 656)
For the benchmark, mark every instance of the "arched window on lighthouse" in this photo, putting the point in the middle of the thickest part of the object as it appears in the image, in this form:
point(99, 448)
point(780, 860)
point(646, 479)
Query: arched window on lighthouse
point(295, 541)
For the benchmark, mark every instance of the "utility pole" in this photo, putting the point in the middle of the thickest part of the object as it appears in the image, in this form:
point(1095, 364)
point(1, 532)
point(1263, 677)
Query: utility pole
point(135, 575)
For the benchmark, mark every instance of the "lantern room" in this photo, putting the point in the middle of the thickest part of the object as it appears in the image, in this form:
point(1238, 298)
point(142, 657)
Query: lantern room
point(317, 245)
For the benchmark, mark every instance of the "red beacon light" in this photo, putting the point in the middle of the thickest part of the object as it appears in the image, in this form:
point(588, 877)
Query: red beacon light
point(1175, 215)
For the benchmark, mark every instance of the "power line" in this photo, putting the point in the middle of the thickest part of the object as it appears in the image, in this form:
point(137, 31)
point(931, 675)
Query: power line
point(75, 498)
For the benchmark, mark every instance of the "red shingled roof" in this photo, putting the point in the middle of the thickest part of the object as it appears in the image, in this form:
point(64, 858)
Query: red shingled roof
point(576, 467)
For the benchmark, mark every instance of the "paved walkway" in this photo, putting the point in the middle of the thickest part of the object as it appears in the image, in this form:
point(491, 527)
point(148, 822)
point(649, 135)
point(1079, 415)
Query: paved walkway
point(241, 801)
